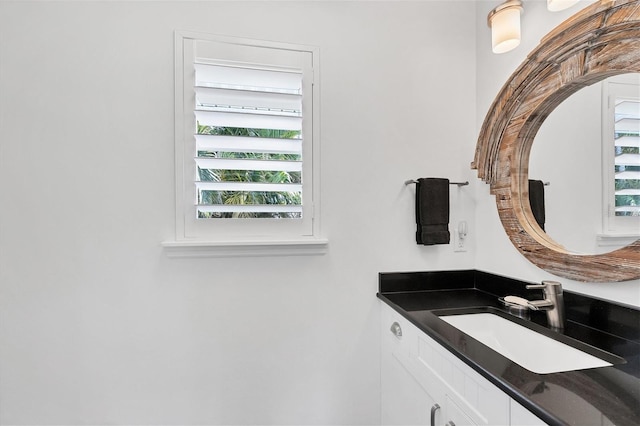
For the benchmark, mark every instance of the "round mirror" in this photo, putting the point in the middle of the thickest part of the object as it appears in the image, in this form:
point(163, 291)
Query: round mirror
point(600, 41)
point(585, 167)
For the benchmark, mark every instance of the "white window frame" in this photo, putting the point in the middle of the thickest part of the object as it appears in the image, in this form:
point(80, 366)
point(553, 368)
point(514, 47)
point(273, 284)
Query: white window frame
point(616, 230)
point(239, 237)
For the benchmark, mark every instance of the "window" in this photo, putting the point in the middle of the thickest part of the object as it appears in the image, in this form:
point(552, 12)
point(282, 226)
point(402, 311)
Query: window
point(621, 155)
point(246, 142)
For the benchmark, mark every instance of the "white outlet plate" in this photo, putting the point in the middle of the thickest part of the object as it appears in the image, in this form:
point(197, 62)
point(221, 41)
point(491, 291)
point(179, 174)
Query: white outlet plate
point(459, 244)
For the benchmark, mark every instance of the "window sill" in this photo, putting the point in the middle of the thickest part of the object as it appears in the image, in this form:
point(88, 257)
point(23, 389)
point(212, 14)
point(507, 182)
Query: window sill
point(616, 239)
point(245, 248)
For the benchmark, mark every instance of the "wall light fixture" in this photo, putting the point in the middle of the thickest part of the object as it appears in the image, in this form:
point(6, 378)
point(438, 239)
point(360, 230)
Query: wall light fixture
point(504, 22)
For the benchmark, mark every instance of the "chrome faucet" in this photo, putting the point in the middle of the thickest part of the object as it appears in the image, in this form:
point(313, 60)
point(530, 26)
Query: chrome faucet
point(553, 302)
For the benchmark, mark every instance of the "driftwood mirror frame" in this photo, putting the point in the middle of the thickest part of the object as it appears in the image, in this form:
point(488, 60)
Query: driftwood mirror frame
point(600, 41)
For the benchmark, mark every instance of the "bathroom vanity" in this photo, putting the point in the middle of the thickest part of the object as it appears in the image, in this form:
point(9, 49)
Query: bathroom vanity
point(435, 374)
point(452, 352)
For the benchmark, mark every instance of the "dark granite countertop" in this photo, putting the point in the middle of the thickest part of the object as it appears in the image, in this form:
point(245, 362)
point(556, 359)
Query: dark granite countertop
point(611, 393)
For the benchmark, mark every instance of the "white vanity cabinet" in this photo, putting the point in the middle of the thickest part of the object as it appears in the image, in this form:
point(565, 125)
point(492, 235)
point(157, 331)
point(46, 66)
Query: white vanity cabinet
point(404, 400)
point(423, 383)
point(520, 416)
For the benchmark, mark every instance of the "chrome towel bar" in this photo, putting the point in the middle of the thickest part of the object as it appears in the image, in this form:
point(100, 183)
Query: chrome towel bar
point(465, 183)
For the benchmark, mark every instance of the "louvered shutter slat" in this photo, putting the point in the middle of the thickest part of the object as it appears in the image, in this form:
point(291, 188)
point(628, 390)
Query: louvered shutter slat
point(224, 76)
point(241, 164)
point(262, 208)
point(248, 186)
point(276, 103)
point(252, 120)
point(248, 144)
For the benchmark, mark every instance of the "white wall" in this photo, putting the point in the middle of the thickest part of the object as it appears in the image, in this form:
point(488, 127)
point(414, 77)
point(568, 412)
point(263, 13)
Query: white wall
point(494, 251)
point(98, 326)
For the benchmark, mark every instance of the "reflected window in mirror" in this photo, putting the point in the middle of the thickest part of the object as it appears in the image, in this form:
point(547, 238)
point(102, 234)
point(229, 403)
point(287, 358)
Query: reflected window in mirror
point(621, 156)
point(574, 154)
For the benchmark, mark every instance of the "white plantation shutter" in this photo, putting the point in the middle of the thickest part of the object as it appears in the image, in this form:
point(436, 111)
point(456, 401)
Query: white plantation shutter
point(621, 155)
point(245, 99)
point(627, 131)
point(246, 159)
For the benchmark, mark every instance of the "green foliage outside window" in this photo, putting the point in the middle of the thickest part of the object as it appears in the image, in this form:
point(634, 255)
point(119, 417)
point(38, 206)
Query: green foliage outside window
point(620, 184)
point(258, 176)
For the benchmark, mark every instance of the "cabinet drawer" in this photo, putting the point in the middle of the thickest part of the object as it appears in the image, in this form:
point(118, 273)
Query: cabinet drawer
point(399, 336)
point(479, 399)
point(456, 415)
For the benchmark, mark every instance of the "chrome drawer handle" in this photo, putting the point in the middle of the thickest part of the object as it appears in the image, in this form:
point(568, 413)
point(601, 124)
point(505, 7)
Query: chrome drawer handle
point(396, 330)
point(435, 408)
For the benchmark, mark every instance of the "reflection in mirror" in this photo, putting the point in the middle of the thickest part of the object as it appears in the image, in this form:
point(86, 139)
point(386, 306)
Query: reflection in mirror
point(600, 40)
point(622, 161)
point(574, 153)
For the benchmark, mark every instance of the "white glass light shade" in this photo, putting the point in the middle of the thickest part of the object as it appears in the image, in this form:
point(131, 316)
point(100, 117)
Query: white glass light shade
point(505, 27)
point(557, 5)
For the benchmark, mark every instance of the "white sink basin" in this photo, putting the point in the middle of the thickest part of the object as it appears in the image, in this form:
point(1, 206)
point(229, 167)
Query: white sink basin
point(528, 348)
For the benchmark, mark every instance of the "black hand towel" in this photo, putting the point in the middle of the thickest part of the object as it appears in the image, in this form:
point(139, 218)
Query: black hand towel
point(536, 199)
point(432, 211)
